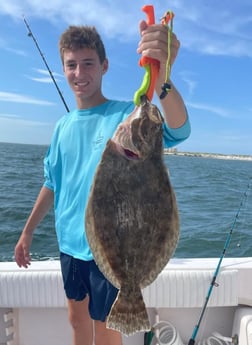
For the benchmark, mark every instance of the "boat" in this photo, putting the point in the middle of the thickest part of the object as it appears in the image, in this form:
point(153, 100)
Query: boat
point(33, 306)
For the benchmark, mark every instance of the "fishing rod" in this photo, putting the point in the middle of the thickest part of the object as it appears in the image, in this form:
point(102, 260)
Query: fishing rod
point(213, 283)
point(30, 34)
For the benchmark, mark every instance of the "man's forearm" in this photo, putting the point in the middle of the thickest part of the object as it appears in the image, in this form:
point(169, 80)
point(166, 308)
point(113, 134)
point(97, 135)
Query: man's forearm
point(42, 205)
point(173, 106)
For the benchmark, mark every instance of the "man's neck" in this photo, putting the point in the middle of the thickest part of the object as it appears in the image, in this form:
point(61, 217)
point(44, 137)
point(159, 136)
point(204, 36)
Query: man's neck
point(91, 102)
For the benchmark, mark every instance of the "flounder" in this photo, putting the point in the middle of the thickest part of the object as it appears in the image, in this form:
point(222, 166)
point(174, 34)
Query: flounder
point(132, 221)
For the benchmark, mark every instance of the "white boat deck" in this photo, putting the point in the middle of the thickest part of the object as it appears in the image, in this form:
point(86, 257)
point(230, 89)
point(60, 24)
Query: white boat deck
point(32, 301)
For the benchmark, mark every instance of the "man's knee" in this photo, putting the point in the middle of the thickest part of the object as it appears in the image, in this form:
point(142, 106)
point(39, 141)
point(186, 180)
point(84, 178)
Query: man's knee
point(78, 314)
point(76, 321)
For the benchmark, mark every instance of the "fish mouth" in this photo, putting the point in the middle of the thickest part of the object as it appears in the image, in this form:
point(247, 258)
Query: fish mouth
point(127, 152)
point(124, 144)
point(130, 154)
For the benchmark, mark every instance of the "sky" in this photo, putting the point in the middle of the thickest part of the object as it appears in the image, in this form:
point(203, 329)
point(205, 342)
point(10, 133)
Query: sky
point(213, 71)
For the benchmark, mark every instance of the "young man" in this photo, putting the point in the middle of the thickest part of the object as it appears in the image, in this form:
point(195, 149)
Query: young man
point(76, 148)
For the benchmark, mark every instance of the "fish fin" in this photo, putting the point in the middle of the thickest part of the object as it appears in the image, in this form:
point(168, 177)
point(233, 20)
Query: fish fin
point(129, 315)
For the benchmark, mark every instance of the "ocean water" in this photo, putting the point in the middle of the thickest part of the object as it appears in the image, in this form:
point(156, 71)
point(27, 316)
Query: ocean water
point(214, 198)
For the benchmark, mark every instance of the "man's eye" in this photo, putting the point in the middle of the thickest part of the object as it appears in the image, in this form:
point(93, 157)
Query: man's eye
point(71, 65)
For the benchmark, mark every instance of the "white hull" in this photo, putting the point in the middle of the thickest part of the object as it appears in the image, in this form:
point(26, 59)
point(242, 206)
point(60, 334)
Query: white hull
point(33, 304)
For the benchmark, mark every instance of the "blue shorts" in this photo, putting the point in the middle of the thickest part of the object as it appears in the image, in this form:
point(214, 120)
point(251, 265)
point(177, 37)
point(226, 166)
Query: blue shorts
point(82, 278)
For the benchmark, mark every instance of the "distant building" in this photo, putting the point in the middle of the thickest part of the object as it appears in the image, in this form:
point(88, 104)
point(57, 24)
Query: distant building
point(170, 150)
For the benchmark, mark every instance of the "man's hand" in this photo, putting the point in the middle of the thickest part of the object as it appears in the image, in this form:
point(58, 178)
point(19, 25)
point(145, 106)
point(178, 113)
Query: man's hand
point(22, 250)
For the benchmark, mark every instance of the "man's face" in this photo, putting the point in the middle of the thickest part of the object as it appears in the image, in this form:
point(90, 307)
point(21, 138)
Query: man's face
point(84, 72)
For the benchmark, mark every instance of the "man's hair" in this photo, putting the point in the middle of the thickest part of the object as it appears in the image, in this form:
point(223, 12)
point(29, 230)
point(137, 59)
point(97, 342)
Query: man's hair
point(78, 37)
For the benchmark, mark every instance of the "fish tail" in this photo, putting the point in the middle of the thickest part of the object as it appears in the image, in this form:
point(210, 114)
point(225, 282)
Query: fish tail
point(128, 314)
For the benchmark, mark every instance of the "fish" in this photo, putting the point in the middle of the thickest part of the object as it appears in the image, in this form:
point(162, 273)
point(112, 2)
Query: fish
point(131, 218)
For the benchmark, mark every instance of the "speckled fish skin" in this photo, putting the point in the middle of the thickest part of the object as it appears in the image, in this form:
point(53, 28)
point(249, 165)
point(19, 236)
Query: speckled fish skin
point(132, 221)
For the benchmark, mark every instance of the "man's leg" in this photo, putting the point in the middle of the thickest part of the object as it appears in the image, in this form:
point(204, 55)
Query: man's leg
point(81, 322)
point(106, 336)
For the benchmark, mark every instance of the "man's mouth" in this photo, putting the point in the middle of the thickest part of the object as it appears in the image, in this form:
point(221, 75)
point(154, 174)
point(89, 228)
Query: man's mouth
point(81, 84)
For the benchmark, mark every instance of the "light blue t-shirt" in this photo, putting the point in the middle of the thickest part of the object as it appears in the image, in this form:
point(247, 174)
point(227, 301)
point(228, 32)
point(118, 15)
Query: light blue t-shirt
point(77, 145)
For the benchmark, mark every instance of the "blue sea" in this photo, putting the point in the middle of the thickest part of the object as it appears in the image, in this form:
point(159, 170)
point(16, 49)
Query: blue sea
point(214, 199)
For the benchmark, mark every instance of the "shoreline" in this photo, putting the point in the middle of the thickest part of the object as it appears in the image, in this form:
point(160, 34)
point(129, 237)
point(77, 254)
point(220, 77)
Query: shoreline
point(174, 152)
point(209, 155)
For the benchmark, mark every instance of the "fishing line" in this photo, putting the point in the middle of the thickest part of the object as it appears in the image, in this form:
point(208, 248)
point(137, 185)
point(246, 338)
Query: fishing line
point(168, 17)
point(213, 282)
point(30, 34)
point(243, 221)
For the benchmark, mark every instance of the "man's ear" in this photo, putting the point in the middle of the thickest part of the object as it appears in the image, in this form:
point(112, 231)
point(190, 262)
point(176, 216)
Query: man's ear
point(105, 66)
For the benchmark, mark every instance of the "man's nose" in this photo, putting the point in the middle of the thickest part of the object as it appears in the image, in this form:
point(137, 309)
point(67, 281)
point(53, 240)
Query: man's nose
point(80, 69)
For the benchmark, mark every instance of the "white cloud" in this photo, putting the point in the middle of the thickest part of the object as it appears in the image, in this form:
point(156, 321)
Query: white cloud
point(45, 72)
point(216, 28)
point(113, 18)
point(5, 45)
point(9, 116)
point(46, 78)
point(12, 8)
point(213, 27)
point(209, 108)
point(19, 98)
point(189, 79)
